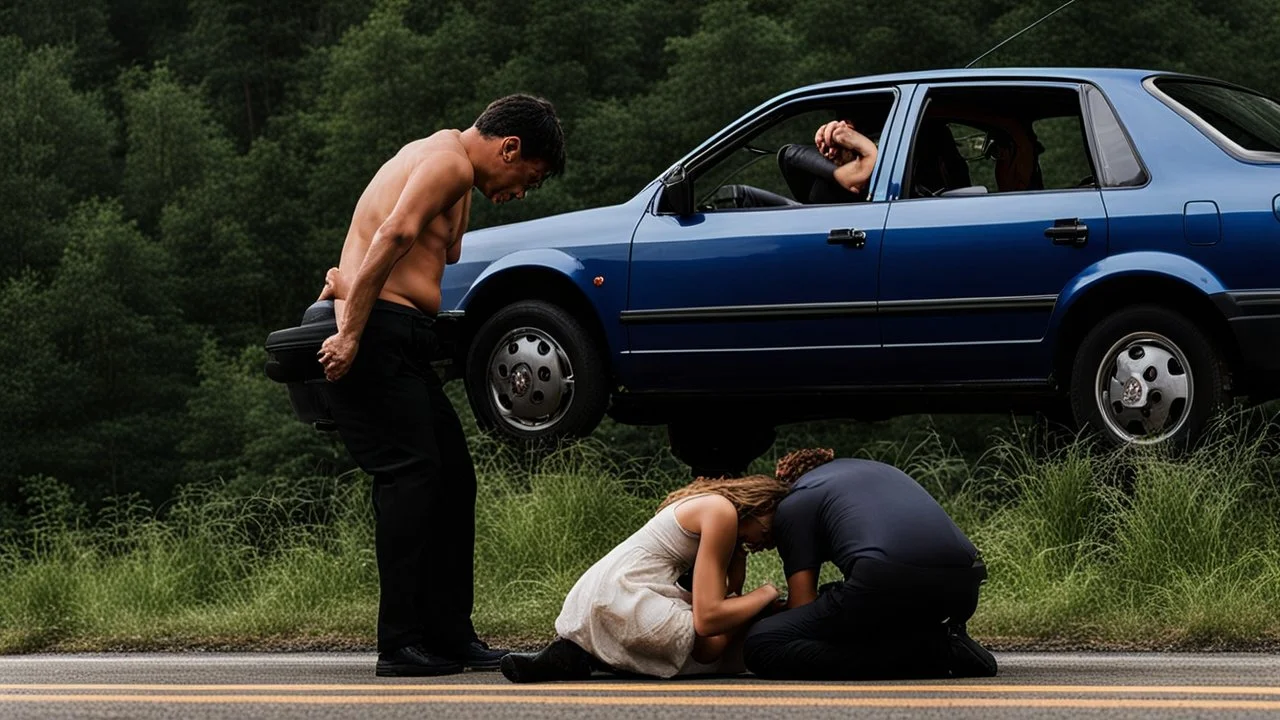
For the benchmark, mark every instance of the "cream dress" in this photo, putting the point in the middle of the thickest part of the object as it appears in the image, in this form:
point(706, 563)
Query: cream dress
point(628, 611)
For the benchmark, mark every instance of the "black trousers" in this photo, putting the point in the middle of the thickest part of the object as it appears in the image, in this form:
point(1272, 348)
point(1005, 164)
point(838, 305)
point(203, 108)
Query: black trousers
point(884, 621)
point(398, 425)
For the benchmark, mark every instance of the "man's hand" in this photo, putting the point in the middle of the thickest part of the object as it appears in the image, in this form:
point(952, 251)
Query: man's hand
point(335, 285)
point(336, 355)
point(834, 141)
point(853, 153)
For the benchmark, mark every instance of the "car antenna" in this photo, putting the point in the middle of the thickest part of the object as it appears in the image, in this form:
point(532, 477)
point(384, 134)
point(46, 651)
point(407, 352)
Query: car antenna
point(997, 47)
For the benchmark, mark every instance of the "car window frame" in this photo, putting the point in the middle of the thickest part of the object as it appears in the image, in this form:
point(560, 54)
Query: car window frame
point(1215, 135)
point(910, 137)
point(733, 138)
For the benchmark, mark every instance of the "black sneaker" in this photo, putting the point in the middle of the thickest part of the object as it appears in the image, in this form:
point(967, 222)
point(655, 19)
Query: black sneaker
point(413, 661)
point(968, 658)
point(561, 660)
point(477, 655)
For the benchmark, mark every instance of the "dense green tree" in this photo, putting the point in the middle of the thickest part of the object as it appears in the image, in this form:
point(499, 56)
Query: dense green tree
point(111, 314)
point(178, 175)
point(80, 25)
point(55, 146)
point(34, 386)
point(173, 142)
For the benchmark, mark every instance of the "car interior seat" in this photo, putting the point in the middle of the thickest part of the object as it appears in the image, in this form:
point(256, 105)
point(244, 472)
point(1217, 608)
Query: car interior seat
point(939, 165)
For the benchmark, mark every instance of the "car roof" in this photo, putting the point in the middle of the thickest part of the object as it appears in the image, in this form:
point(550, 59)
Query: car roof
point(989, 73)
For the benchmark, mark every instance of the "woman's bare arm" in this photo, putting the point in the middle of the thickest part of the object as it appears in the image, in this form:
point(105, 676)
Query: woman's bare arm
point(714, 613)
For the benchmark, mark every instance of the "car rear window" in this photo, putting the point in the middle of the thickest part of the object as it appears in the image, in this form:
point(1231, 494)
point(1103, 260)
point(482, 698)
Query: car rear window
point(1249, 120)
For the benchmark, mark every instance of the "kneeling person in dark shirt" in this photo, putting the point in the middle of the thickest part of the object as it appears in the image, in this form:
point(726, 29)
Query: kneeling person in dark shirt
point(911, 579)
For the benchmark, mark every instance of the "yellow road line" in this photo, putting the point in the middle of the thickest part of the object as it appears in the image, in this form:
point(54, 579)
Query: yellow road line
point(663, 687)
point(877, 702)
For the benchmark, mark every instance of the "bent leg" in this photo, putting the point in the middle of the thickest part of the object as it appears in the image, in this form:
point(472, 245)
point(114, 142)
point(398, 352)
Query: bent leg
point(848, 633)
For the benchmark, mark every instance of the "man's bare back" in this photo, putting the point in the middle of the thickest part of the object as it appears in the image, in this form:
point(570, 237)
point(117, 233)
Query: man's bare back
point(415, 279)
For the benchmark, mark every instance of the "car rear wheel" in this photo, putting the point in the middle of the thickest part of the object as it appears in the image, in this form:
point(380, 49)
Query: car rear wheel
point(1147, 375)
point(534, 374)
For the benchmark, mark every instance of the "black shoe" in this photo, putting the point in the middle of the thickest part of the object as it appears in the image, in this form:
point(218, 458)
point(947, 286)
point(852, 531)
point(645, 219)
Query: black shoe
point(477, 655)
point(968, 658)
point(413, 661)
point(561, 660)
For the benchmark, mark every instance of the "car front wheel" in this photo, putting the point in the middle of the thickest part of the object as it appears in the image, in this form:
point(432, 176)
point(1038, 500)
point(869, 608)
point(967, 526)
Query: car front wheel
point(535, 375)
point(1147, 375)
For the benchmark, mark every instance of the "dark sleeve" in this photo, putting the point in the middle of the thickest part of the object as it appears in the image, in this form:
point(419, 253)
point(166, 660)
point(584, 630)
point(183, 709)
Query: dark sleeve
point(795, 527)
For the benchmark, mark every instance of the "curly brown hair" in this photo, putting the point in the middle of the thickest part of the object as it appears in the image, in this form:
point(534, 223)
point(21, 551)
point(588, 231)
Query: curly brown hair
point(798, 462)
point(753, 495)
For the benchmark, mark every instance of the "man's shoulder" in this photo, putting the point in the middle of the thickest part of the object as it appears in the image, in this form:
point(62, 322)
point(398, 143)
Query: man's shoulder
point(440, 152)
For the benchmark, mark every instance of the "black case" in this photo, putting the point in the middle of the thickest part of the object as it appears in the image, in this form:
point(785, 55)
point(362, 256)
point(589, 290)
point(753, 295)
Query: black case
point(293, 359)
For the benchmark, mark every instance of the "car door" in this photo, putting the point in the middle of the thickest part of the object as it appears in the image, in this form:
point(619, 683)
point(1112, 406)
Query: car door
point(969, 278)
point(764, 298)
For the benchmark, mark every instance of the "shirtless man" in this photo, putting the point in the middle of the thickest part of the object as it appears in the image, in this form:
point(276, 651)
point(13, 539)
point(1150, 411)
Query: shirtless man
point(387, 401)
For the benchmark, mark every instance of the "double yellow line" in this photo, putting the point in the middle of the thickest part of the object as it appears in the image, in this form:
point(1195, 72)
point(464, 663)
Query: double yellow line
point(671, 694)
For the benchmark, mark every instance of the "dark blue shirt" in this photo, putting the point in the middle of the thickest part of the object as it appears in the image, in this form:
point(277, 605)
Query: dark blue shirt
point(849, 509)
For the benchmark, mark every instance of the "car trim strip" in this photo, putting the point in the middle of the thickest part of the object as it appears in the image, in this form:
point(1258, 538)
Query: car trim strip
point(685, 351)
point(1255, 297)
point(749, 312)
point(1012, 302)
point(682, 351)
point(838, 309)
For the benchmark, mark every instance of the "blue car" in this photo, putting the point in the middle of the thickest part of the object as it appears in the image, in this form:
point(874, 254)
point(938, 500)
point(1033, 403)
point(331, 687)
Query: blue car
point(1101, 245)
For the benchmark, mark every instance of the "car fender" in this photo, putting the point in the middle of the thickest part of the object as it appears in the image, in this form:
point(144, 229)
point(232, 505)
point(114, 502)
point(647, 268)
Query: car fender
point(564, 265)
point(1143, 264)
point(552, 259)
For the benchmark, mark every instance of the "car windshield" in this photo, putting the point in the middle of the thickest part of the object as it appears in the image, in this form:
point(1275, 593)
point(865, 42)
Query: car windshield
point(1249, 120)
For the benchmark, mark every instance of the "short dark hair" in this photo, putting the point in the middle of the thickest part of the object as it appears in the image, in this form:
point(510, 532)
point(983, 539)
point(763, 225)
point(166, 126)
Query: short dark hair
point(534, 121)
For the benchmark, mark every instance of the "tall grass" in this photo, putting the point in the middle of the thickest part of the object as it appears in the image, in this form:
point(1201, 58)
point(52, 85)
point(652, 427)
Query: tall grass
point(1084, 544)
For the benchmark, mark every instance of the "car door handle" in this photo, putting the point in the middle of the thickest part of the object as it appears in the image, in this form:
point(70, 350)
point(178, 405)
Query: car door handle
point(1068, 232)
point(849, 237)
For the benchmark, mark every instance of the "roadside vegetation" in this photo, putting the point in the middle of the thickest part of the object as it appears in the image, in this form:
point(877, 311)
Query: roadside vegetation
point(1087, 546)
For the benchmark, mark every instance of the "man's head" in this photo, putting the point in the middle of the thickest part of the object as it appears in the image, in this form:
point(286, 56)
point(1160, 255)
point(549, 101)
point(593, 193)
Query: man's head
point(797, 463)
point(524, 146)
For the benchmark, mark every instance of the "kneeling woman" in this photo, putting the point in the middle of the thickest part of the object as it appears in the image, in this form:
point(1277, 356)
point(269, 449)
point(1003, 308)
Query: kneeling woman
point(628, 614)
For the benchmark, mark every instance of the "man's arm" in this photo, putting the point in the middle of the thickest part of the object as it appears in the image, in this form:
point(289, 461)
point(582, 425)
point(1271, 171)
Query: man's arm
point(802, 588)
point(435, 185)
point(855, 174)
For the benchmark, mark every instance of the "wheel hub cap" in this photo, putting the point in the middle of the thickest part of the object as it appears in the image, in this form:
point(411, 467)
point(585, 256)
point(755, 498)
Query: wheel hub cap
point(1144, 388)
point(530, 380)
point(521, 379)
point(1135, 393)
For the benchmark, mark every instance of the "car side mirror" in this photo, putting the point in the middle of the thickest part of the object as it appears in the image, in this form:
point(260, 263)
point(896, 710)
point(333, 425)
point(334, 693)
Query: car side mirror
point(677, 193)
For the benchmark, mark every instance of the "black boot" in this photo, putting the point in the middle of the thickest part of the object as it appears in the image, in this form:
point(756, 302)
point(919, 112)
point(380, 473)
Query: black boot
point(413, 661)
point(968, 658)
point(561, 660)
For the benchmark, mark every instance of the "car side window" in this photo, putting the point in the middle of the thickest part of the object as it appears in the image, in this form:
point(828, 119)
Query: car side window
point(1118, 163)
point(999, 139)
point(778, 166)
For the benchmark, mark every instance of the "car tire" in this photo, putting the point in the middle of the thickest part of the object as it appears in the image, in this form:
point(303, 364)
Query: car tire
point(1169, 378)
point(535, 375)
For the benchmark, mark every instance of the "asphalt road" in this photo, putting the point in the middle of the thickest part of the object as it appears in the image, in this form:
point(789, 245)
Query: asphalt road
point(207, 685)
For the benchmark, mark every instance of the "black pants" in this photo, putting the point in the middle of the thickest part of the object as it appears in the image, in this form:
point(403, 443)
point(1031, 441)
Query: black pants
point(884, 621)
point(397, 423)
